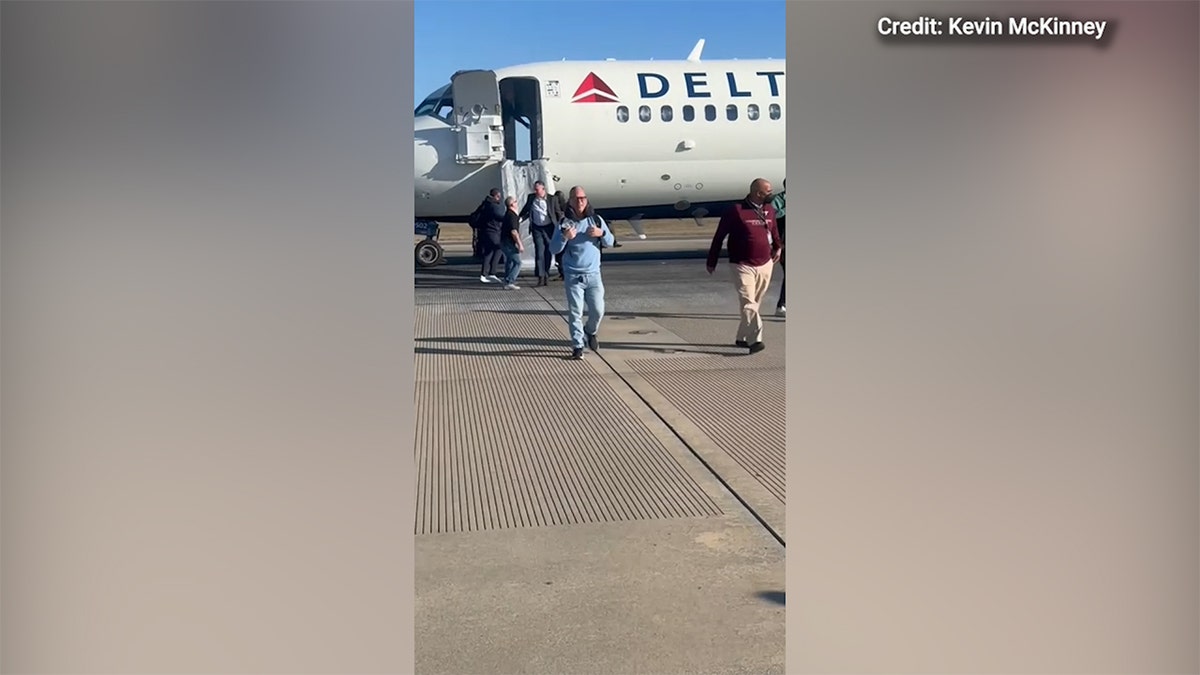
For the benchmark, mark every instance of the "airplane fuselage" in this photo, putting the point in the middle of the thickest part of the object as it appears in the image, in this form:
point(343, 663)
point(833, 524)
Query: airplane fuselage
point(652, 139)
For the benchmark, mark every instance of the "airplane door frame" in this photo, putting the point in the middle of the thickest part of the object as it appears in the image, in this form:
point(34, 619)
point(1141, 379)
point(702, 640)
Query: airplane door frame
point(532, 97)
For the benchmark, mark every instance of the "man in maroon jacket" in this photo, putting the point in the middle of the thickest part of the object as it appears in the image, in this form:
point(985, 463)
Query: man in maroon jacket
point(754, 248)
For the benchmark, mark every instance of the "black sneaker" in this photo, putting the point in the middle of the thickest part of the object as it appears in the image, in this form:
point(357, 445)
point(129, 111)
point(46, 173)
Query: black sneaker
point(757, 347)
point(742, 343)
point(577, 354)
point(593, 343)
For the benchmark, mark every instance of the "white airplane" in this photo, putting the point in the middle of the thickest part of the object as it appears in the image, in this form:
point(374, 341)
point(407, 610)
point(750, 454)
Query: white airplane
point(647, 139)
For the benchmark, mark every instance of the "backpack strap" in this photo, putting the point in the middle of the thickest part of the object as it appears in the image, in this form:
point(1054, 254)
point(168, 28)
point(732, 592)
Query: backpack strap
point(599, 222)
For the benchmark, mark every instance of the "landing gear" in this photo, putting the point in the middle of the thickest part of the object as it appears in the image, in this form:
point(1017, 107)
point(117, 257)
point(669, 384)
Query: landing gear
point(429, 252)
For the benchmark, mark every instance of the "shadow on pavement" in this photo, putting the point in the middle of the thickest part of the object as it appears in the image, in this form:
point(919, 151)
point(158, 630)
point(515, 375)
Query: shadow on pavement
point(777, 597)
point(622, 316)
point(547, 348)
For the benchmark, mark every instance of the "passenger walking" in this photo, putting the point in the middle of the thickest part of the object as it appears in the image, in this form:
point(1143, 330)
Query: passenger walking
point(488, 221)
point(779, 201)
point(544, 213)
point(579, 238)
point(510, 243)
point(754, 247)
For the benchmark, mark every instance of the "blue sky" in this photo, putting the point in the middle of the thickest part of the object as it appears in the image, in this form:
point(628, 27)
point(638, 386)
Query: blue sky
point(453, 35)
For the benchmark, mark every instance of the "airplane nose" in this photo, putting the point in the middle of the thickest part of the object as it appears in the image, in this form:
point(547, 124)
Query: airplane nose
point(437, 175)
point(425, 158)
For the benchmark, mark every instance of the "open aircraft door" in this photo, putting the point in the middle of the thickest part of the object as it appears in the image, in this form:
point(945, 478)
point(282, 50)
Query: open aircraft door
point(477, 115)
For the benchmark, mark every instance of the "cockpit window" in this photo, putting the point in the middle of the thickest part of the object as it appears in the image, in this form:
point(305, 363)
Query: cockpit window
point(439, 104)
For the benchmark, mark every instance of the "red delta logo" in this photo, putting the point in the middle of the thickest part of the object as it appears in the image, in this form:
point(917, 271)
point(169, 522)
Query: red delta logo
point(594, 90)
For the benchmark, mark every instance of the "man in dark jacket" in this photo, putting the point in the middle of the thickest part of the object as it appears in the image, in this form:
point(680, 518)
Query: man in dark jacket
point(754, 248)
point(488, 221)
point(544, 213)
point(561, 198)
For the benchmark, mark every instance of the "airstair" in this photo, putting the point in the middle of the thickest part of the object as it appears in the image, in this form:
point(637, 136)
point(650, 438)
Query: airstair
point(517, 179)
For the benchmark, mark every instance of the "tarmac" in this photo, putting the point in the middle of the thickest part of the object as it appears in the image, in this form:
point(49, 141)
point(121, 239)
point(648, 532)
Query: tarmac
point(631, 248)
point(598, 516)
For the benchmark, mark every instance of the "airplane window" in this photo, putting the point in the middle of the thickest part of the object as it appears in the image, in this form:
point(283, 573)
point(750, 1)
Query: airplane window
point(438, 104)
point(752, 111)
point(774, 111)
point(667, 113)
point(731, 112)
point(622, 114)
point(710, 112)
point(644, 113)
point(689, 113)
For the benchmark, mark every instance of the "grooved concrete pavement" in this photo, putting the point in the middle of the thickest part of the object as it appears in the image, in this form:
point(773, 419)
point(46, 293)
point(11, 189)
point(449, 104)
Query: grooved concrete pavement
point(493, 470)
point(598, 516)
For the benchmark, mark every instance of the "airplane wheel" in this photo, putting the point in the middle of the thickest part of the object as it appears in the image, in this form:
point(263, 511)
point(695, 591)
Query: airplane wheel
point(429, 254)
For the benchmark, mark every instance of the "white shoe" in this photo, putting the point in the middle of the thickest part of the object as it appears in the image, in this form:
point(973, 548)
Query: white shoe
point(485, 280)
point(511, 287)
point(781, 311)
point(493, 279)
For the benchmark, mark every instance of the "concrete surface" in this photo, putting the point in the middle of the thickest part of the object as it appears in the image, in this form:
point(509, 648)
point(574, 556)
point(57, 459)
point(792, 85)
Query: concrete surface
point(650, 250)
point(669, 228)
point(645, 539)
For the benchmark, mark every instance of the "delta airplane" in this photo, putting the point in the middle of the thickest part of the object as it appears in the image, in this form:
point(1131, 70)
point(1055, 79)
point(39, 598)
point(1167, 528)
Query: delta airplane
point(647, 139)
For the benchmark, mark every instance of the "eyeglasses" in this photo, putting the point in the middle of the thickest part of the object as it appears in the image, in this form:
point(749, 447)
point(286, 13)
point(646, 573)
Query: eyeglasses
point(580, 197)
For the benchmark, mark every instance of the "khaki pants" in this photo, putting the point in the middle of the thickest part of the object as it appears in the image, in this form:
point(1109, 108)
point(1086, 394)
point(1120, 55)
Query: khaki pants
point(751, 283)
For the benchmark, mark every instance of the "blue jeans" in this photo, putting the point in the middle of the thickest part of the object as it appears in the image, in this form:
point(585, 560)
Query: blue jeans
point(512, 262)
point(584, 289)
